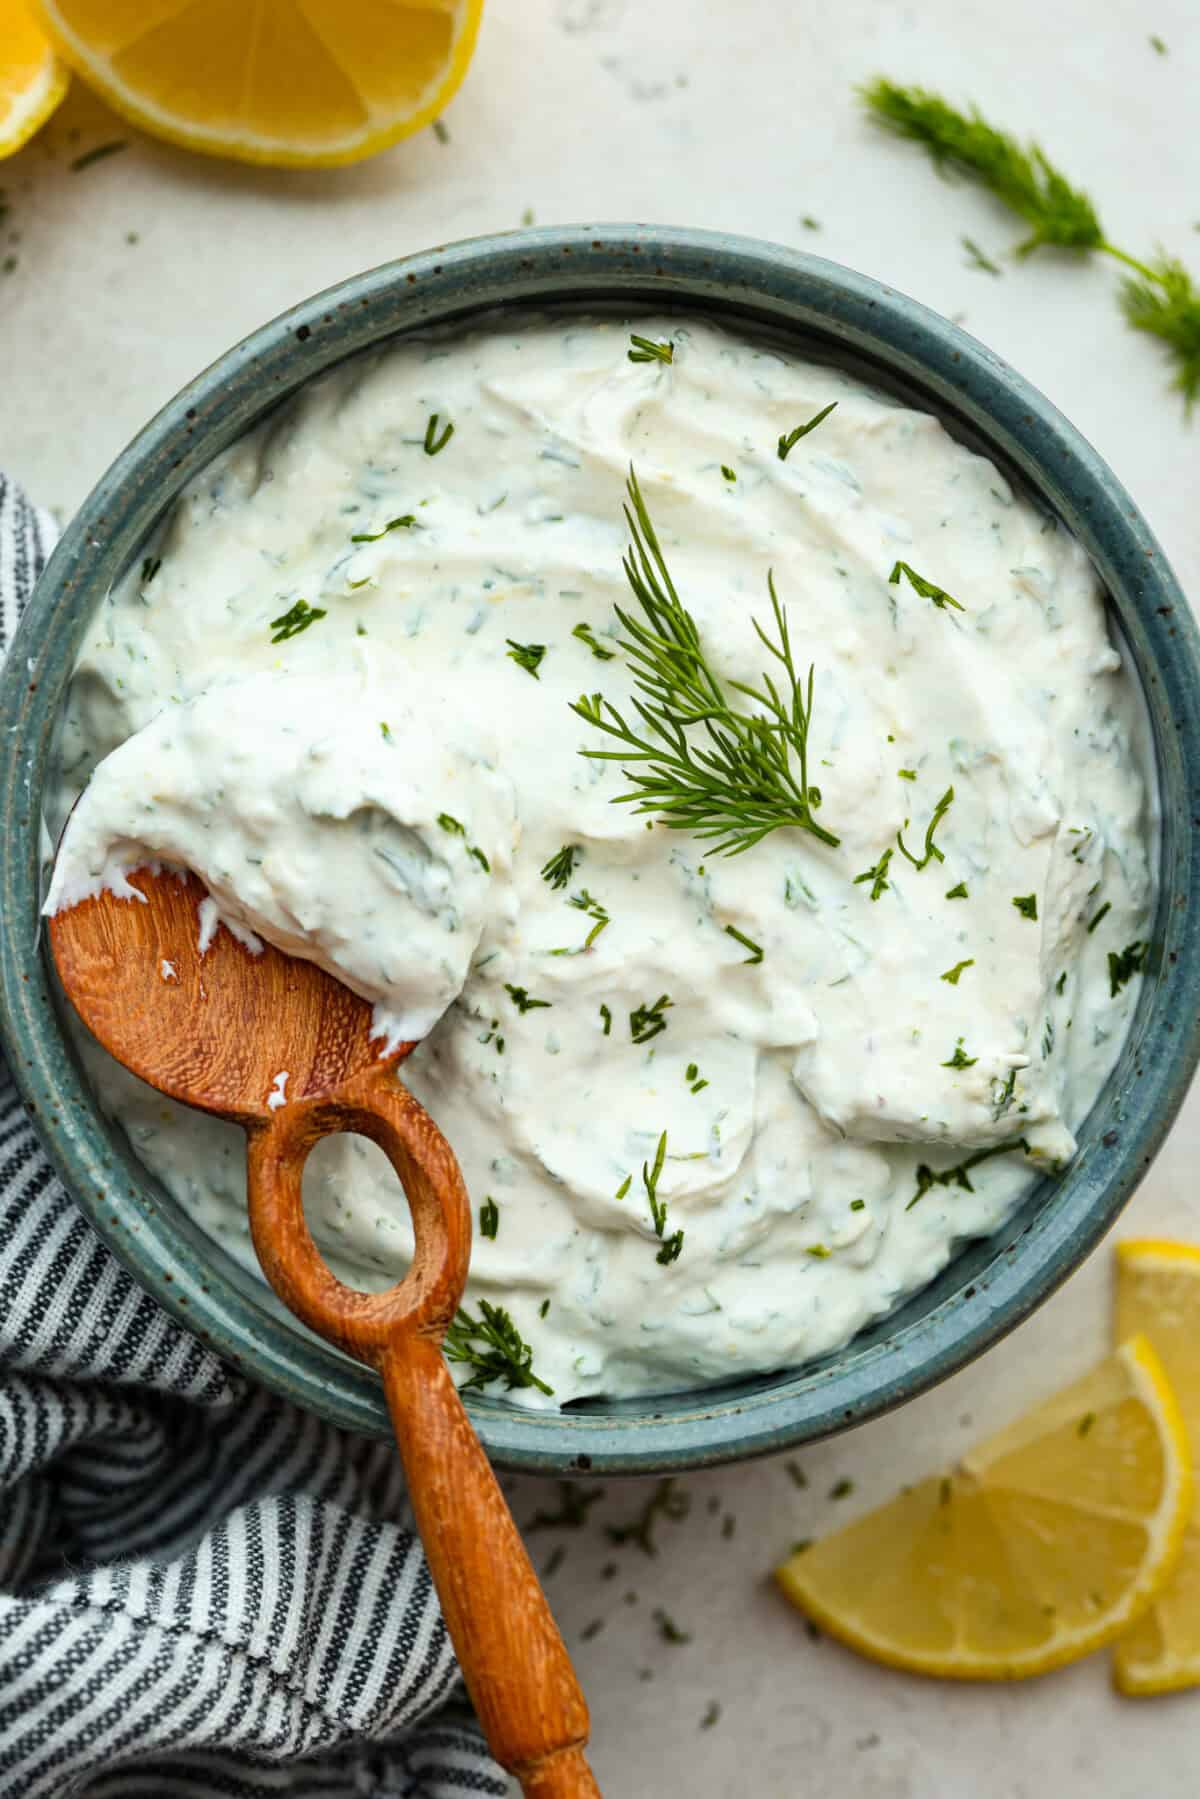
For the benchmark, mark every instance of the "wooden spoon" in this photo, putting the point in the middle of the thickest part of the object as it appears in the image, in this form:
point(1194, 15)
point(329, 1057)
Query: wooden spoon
point(218, 1031)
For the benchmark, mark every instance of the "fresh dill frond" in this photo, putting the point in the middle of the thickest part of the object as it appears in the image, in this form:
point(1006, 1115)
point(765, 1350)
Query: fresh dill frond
point(932, 852)
point(489, 1217)
point(606, 1016)
point(1023, 179)
point(1026, 904)
point(756, 954)
point(296, 619)
point(743, 774)
point(927, 589)
point(960, 1059)
point(646, 350)
point(1003, 1094)
point(584, 902)
point(1164, 302)
point(671, 1245)
point(952, 974)
point(647, 1021)
point(959, 892)
point(559, 869)
point(790, 439)
point(650, 1179)
point(1123, 966)
point(404, 523)
point(1159, 297)
point(960, 1174)
point(526, 655)
point(493, 1346)
point(457, 829)
point(728, 473)
point(877, 875)
point(521, 1000)
point(433, 443)
point(585, 634)
point(1105, 909)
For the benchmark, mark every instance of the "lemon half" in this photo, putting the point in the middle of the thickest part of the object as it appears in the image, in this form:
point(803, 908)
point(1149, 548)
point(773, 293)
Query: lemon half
point(276, 81)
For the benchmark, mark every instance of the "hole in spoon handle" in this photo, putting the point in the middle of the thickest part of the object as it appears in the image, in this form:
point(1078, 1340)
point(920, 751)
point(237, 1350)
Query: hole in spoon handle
point(513, 1659)
point(376, 1105)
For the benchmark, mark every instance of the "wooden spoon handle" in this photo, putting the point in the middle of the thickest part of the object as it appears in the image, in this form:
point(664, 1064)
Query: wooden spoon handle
point(513, 1659)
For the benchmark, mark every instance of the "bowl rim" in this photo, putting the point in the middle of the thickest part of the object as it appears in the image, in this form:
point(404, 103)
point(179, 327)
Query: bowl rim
point(822, 307)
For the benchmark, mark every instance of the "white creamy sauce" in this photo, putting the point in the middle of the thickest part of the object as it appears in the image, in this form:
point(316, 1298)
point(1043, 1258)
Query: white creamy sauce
point(381, 789)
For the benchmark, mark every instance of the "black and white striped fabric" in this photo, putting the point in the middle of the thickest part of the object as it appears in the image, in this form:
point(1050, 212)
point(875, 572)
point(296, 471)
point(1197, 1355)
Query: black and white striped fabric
point(202, 1590)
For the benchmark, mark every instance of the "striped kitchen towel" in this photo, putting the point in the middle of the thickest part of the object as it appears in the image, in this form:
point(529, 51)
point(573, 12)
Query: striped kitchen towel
point(203, 1591)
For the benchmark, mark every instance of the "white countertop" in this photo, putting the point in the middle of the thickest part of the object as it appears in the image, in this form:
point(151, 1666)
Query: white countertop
point(740, 116)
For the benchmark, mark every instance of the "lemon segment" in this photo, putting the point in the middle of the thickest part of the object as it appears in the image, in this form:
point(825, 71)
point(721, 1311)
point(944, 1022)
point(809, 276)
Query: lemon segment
point(293, 82)
point(1045, 1543)
point(1158, 1292)
point(32, 79)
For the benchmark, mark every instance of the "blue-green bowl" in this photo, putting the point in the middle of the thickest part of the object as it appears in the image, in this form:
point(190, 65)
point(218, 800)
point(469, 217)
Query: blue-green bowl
point(825, 311)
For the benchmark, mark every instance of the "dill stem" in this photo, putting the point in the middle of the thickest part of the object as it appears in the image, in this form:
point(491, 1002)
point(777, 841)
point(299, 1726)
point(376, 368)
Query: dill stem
point(1130, 262)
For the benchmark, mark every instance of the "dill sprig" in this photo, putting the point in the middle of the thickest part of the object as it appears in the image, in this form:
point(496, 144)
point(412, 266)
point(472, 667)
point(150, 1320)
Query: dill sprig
point(1023, 179)
point(756, 950)
point(932, 852)
point(521, 1000)
point(583, 901)
point(790, 439)
point(645, 349)
point(960, 1174)
point(671, 1245)
point(1165, 302)
point(296, 619)
point(404, 523)
point(927, 589)
point(877, 875)
point(559, 868)
point(736, 782)
point(585, 634)
point(434, 443)
point(1159, 297)
point(1123, 966)
point(647, 1021)
point(494, 1348)
point(526, 655)
point(650, 1179)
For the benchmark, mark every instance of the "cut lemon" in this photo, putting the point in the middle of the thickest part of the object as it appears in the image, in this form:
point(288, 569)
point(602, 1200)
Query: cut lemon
point(32, 80)
point(1042, 1545)
point(1158, 1292)
point(279, 81)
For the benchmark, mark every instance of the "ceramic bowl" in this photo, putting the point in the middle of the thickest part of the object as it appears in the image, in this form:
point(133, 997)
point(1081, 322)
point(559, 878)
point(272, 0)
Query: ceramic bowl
point(822, 310)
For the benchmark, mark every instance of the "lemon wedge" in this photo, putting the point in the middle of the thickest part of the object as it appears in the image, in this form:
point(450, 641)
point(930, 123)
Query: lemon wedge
point(32, 79)
point(277, 81)
point(1158, 1292)
point(1043, 1544)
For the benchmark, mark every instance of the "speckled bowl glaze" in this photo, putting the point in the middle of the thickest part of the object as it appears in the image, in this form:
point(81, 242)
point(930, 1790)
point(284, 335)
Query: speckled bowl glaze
point(824, 311)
